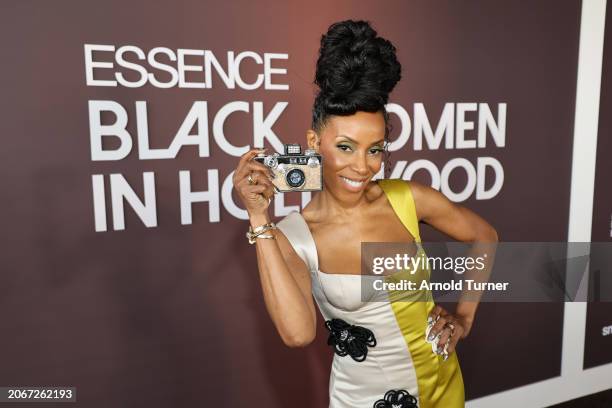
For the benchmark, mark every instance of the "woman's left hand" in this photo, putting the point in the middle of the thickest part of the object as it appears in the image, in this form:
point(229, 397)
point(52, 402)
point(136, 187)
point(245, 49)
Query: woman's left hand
point(448, 326)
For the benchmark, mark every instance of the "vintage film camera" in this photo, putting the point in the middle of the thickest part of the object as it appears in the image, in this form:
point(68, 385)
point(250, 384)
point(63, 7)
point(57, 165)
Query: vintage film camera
point(295, 171)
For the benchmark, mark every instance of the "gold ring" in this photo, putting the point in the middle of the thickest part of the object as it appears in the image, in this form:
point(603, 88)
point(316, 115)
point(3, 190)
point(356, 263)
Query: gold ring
point(250, 180)
point(451, 326)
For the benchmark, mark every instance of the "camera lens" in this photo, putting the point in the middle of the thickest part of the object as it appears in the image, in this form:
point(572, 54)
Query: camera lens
point(295, 178)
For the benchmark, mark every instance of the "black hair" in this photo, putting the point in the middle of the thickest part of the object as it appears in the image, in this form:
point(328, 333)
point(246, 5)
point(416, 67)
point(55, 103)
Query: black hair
point(356, 71)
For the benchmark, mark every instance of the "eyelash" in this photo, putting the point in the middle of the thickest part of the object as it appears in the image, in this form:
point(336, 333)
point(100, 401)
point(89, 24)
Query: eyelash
point(373, 151)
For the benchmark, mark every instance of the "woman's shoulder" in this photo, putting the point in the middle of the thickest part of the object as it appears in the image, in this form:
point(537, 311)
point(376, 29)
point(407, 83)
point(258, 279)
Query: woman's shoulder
point(416, 188)
point(293, 228)
point(289, 220)
point(399, 182)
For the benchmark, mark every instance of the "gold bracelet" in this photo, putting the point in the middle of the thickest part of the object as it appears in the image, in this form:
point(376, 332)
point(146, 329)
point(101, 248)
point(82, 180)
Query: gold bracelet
point(259, 231)
point(262, 228)
point(265, 236)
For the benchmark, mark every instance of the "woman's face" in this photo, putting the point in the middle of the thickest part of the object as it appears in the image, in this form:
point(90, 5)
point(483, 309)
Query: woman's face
point(352, 149)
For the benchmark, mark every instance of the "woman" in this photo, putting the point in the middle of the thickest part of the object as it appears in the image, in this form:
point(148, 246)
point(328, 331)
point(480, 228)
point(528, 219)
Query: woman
point(383, 358)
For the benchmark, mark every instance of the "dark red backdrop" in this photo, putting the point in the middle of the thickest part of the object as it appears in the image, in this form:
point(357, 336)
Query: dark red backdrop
point(173, 315)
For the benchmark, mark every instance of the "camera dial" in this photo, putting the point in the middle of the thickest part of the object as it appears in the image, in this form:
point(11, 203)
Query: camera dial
point(271, 161)
point(313, 162)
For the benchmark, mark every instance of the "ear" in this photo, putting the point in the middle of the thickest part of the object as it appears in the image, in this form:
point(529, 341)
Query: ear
point(313, 140)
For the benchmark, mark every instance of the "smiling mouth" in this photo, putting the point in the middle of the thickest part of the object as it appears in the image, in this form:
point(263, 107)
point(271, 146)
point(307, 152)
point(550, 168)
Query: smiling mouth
point(353, 183)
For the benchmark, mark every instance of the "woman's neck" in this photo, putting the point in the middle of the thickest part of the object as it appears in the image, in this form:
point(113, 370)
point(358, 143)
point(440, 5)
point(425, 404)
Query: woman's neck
point(329, 205)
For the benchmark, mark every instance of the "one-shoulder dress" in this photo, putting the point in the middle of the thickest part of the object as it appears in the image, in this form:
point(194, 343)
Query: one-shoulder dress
point(382, 358)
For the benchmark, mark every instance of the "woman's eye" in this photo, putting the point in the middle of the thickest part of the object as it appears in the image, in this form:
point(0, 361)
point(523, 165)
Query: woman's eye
point(344, 148)
point(375, 151)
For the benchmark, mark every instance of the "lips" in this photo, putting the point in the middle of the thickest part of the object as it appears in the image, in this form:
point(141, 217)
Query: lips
point(354, 184)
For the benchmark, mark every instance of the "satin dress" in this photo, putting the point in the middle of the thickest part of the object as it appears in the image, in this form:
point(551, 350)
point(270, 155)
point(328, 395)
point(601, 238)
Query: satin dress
point(399, 368)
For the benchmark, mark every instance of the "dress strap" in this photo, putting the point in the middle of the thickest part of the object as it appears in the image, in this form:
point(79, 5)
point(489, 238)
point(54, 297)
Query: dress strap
point(399, 195)
point(295, 228)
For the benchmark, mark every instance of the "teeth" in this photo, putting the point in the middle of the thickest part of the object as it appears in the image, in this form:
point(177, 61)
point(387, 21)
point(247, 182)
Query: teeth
point(352, 182)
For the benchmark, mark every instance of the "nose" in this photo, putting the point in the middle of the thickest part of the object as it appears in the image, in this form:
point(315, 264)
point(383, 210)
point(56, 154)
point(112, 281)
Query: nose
point(360, 164)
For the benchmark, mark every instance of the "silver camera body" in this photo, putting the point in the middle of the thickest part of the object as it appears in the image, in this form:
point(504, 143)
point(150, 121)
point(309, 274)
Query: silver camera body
point(294, 171)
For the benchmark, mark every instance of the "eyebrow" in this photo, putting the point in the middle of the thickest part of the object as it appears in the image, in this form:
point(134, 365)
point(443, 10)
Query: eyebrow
point(356, 142)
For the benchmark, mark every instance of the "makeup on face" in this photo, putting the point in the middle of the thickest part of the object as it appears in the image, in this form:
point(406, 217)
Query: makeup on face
point(357, 166)
point(345, 143)
point(353, 147)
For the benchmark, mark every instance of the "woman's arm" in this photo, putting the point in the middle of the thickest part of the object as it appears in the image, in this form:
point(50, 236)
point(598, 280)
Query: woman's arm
point(464, 225)
point(284, 277)
point(286, 285)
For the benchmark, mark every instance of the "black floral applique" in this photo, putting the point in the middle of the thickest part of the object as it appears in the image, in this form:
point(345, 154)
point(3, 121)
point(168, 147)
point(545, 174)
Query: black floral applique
point(397, 399)
point(349, 339)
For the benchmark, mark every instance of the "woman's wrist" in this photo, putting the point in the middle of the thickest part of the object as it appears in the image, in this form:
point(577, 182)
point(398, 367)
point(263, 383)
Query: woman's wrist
point(466, 322)
point(259, 219)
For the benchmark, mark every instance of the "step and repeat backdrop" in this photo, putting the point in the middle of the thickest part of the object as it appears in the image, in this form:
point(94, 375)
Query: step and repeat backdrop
point(126, 271)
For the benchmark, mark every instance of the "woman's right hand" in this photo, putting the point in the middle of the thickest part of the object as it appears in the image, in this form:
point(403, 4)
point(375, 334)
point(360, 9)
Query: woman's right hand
point(256, 197)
